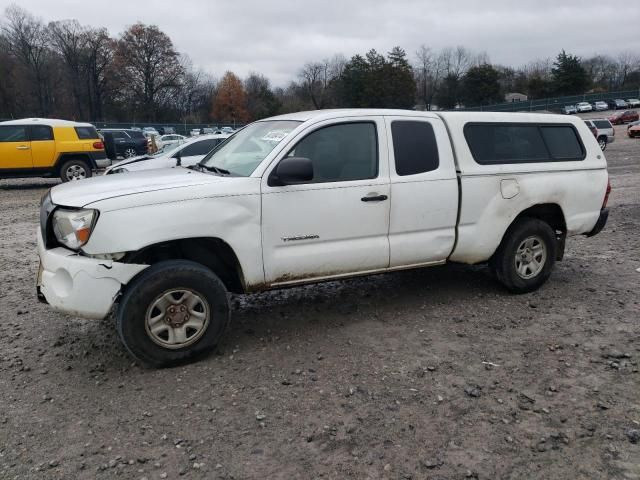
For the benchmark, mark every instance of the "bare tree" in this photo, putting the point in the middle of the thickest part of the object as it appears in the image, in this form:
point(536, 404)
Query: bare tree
point(316, 79)
point(68, 40)
point(148, 65)
point(100, 50)
point(27, 41)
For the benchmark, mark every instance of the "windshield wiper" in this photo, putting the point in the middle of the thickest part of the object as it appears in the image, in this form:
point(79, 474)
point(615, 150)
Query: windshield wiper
point(218, 170)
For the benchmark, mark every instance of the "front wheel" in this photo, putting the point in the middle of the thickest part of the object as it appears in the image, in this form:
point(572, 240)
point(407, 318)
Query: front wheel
point(525, 258)
point(173, 312)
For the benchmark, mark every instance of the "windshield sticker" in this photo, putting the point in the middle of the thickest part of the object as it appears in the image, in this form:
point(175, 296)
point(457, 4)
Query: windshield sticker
point(275, 136)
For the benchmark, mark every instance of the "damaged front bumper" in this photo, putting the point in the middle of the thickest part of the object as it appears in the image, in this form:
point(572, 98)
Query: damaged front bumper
point(79, 285)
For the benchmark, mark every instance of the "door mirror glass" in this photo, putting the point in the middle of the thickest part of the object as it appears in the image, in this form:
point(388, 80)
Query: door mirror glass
point(291, 171)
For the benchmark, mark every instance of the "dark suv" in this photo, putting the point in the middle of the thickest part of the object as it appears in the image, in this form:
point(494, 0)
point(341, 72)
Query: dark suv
point(124, 142)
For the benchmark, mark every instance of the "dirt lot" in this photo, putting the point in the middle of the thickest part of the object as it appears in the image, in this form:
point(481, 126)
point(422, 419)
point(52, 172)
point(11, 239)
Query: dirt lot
point(437, 373)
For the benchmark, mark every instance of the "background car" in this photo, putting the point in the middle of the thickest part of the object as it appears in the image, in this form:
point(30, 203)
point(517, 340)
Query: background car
point(150, 131)
point(126, 143)
point(583, 107)
point(604, 131)
point(194, 132)
point(207, 131)
point(627, 116)
point(190, 153)
point(569, 110)
point(617, 104)
point(227, 130)
point(600, 106)
point(171, 139)
point(633, 102)
point(634, 130)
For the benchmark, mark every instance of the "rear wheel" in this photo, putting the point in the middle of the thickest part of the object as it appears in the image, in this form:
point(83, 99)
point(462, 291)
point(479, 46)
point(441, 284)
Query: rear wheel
point(525, 258)
point(73, 170)
point(130, 152)
point(172, 313)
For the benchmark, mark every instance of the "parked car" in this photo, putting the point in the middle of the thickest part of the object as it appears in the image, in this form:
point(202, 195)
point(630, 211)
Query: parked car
point(127, 142)
point(194, 132)
point(592, 128)
point(569, 110)
point(39, 147)
point(634, 130)
point(227, 130)
point(633, 103)
point(166, 130)
point(150, 131)
point(583, 107)
point(604, 131)
point(172, 139)
point(617, 104)
point(189, 152)
point(620, 118)
point(305, 197)
point(600, 106)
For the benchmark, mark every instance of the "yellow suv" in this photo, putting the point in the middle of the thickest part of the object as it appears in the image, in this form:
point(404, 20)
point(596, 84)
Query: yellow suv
point(37, 147)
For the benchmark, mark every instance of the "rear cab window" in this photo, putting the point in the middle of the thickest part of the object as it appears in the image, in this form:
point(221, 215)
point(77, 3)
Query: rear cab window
point(87, 133)
point(414, 146)
point(40, 133)
point(511, 143)
point(602, 124)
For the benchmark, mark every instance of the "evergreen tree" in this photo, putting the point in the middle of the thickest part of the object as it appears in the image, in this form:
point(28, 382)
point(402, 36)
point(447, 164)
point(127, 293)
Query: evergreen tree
point(569, 77)
point(480, 86)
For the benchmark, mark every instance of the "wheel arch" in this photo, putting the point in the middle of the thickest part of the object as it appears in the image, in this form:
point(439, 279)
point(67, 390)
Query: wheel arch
point(65, 157)
point(213, 253)
point(550, 213)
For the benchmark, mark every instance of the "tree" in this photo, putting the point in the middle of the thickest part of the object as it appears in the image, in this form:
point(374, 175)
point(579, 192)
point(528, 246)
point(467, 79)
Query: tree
point(261, 102)
point(376, 81)
point(400, 83)
point(27, 41)
point(148, 66)
point(448, 96)
point(68, 39)
point(569, 77)
point(230, 103)
point(480, 86)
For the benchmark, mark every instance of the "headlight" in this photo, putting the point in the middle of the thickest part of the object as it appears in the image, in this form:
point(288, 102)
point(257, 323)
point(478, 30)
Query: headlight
point(72, 228)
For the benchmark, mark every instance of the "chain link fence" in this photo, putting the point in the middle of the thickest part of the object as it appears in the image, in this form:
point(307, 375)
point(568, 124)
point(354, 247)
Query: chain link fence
point(554, 103)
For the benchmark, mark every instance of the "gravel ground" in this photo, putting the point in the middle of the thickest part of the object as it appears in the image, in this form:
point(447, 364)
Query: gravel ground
point(437, 373)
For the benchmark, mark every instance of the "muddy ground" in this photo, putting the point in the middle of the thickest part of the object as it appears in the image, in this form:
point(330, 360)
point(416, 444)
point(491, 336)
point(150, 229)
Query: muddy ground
point(437, 373)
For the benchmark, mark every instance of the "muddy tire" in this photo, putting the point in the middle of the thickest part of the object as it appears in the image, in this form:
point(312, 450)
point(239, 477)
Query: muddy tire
point(172, 313)
point(73, 170)
point(525, 258)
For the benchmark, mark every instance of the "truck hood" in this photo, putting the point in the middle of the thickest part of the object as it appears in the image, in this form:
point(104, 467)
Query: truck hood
point(90, 190)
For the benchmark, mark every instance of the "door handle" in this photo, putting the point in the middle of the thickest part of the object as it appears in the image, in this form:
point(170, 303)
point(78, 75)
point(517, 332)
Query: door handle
point(22, 147)
point(374, 198)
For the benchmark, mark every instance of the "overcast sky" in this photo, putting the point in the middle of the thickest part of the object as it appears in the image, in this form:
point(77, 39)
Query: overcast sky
point(276, 37)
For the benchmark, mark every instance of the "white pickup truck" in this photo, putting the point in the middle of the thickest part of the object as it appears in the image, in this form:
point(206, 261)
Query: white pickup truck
point(316, 196)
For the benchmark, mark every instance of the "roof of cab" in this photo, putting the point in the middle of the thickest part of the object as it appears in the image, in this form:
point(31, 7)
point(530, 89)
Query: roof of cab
point(51, 122)
point(454, 116)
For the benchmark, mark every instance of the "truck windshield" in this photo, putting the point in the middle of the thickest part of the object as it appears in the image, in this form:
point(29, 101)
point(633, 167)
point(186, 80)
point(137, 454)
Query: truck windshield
point(241, 153)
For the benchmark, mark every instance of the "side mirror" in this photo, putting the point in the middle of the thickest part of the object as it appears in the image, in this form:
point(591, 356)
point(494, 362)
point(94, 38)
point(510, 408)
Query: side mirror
point(178, 157)
point(291, 171)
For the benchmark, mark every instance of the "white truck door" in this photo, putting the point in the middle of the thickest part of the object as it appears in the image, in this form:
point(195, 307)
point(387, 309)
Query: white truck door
point(336, 224)
point(424, 191)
